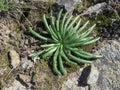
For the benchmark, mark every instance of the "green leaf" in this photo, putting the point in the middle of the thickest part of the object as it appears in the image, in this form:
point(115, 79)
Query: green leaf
point(48, 45)
point(37, 53)
point(81, 28)
point(78, 40)
point(38, 35)
point(55, 69)
point(77, 26)
point(78, 60)
point(49, 52)
point(89, 54)
point(62, 24)
point(87, 32)
point(66, 24)
point(53, 34)
point(58, 20)
point(82, 54)
point(66, 59)
point(91, 41)
point(72, 23)
point(46, 24)
point(63, 71)
point(84, 42)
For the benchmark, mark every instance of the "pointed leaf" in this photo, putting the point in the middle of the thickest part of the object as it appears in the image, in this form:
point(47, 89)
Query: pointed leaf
point(63, 71)
point(78, 60)
point(81, 28)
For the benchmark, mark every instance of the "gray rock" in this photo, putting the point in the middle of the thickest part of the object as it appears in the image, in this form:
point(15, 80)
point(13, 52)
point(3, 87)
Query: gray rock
point(95, 9)
point(69, 4)
point(13, 35)
point(109, 66)
point(93, 76)
point(15, 85)
point(118, 56)
point(72, 83)
point(26, 64)
point(14, 58)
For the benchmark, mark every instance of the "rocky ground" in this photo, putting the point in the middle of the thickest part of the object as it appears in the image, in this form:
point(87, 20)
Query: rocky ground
point(20, 72)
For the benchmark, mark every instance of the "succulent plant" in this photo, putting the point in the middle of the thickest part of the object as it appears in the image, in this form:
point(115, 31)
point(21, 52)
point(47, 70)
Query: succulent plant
point(65, 36)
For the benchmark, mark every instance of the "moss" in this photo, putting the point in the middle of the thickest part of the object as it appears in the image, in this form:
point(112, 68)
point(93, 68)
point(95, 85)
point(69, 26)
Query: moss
point(79, 8)
point(73, 68)
point(41, 77)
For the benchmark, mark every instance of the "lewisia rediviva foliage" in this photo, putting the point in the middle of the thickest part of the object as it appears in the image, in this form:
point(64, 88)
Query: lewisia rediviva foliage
point(64, 41)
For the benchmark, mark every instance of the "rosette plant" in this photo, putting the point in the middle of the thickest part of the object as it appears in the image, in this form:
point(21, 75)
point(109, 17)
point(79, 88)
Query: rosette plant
point(64, 39)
